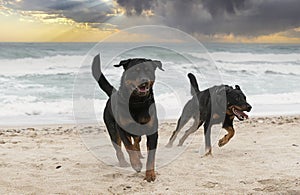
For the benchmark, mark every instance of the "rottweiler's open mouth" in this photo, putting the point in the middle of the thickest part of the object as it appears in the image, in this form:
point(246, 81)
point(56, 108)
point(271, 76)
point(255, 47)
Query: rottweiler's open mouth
point(143, 88)
point(239, 114)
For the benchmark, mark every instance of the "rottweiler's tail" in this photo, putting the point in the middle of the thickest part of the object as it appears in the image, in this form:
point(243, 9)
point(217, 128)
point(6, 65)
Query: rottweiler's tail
point(100, 78)
point(194, 84)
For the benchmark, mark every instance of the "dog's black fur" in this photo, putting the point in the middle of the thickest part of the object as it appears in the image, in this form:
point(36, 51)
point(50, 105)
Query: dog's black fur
point(130, 111)
point(218, 104)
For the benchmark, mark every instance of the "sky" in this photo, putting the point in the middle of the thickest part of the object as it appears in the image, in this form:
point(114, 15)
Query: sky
point(233, 21)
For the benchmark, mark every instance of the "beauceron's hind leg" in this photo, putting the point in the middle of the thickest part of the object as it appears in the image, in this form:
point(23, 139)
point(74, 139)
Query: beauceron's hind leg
point(115, 140)
point(191, 130)
point(227, 137)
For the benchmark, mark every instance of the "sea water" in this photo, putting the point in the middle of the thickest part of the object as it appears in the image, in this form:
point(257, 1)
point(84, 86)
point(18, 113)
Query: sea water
point(37, 79)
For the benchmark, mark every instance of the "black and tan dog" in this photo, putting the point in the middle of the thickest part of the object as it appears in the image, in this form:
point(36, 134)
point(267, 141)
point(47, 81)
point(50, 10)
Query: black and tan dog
point(130, 112)
point(218, 104)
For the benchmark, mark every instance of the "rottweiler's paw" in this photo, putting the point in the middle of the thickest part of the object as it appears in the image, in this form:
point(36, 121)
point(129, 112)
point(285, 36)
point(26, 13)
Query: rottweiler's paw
point(136, 162)
point(222, 142)
point(150, 176)
point(169, 145)
point(124, 164)
point(141, 156)
point(208, 153)
point(137, 167)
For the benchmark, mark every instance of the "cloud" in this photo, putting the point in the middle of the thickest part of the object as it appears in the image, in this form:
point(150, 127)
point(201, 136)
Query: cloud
point(136, 7)
point(92, 11)
point(208, 17)
point(238, 17)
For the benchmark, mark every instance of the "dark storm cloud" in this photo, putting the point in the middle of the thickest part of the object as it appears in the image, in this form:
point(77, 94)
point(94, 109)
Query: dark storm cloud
point(240, 17)
point(92, 11)
point(218, 8)
point(136, 7)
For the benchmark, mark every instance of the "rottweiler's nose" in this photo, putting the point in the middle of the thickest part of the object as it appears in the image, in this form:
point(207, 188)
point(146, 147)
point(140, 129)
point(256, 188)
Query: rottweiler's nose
point(144, 80)
point(249, 108)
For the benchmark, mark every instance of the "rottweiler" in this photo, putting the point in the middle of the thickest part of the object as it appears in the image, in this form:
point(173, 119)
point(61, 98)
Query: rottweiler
point(215, 105)
point(130, 111)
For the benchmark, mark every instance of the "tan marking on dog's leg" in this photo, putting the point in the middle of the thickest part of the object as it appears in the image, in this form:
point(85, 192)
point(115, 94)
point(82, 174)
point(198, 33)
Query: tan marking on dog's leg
point(227, 137)
point(135, 161)
point(136, 146)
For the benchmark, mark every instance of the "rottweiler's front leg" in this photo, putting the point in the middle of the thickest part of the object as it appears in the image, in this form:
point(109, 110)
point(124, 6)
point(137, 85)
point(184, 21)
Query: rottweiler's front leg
point(227, 137)
point(135, 161)
point(228, 126)
point(151, 147)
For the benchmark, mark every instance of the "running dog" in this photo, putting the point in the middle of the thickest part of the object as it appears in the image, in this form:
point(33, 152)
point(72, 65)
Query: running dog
point(130, 111)
point(218, 104)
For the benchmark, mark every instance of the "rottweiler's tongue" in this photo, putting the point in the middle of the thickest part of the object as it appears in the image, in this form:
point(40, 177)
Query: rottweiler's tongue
point(142, 88)
point(240, 113)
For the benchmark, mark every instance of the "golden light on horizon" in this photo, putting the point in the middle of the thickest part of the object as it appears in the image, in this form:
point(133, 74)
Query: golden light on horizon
point(271, 38)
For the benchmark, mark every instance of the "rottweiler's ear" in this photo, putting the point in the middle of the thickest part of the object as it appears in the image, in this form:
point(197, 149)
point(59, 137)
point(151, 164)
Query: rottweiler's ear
point(237, 87)
point(158, 64)
point(221, 90)
point(220, 97)
point(123, 63)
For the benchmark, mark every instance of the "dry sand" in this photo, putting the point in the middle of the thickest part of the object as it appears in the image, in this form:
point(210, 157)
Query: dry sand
point(263, 157)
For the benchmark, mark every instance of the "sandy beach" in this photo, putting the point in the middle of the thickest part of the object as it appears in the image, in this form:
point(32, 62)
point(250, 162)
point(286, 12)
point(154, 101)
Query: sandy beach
point(262, 157)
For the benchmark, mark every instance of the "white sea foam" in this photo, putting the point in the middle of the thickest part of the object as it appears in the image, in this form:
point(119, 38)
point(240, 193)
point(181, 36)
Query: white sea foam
point(246, 57)
point(46, 65)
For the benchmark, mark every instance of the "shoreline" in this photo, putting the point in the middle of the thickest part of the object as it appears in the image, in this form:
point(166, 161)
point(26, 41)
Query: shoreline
point(160, 121)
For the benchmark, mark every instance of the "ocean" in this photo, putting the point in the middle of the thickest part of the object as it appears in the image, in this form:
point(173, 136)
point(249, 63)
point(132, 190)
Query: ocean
point(40, 83)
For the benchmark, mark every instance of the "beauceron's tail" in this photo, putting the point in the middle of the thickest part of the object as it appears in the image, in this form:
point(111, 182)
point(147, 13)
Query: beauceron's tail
point(194, 84)
point(100, 78)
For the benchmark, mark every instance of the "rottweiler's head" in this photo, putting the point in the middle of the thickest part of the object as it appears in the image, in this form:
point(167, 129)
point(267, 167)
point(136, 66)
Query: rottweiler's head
point(237, 103)
point(139, 75)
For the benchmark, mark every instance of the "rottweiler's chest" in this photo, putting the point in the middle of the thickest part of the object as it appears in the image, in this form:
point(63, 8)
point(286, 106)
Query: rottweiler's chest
point(140, 115)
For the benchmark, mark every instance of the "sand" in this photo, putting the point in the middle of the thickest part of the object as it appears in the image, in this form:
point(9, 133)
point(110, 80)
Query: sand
point(262, 157)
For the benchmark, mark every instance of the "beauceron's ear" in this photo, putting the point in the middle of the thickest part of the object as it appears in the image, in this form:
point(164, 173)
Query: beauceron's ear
point(158, 64)
point(237, 87)
point(123, 63)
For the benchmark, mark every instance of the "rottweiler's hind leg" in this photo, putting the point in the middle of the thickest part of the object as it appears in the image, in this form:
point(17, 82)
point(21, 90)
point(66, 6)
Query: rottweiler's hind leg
point(191, 130)
point(207, 132)
point(181, 122)
point(190, 110)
